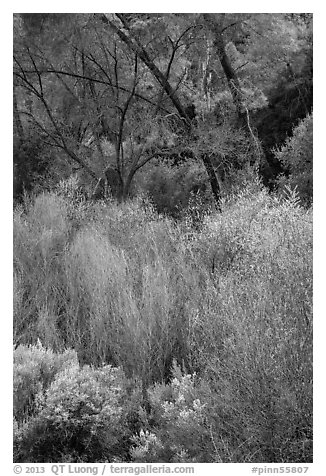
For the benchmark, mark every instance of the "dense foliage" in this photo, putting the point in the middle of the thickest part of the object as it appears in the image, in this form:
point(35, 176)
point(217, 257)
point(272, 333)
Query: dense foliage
point(163, 238)
point(229, 302)
point(106, 95)
point(296, 157)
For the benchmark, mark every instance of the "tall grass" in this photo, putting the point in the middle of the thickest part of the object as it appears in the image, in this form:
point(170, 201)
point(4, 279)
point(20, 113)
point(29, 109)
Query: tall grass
point(40, 237)
point(231, 302)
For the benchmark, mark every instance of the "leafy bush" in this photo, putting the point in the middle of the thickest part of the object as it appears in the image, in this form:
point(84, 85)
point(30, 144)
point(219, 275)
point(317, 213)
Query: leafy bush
point(179, 431)
point(34, 370)
point(79, 418)
point(297, 158)
point(170, 187)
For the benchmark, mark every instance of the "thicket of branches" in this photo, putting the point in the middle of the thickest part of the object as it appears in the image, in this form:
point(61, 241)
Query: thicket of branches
point(163, 238)
point(108, 95)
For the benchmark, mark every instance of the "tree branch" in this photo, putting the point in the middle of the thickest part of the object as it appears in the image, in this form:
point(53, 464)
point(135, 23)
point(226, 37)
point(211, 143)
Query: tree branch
point(88, 78)
point(135, 46)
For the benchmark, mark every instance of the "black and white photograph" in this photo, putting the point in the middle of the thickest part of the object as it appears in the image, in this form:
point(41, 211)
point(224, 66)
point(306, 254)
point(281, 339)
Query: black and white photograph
point(162, 241)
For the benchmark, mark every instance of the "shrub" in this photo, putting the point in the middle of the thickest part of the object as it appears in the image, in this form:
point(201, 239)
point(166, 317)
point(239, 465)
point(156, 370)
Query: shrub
point(34, 370)
point(31, 162)
point(80, 419)
point(132, 289)
point(296, 156)
point(253, 338)
point(40, 236)
point(170, 187)
point(178, 431)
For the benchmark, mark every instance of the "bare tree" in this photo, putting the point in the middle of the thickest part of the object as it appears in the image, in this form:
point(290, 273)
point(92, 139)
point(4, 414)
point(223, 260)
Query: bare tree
point(102, 95)
point(126, 35)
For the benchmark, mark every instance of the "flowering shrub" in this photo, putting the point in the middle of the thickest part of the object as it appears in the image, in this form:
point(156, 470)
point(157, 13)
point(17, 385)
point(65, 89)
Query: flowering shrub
point(179, 432)
point(79, 418)
point(35, 368)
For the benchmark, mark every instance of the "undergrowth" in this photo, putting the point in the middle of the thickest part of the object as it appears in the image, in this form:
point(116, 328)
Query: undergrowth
point(212, 323)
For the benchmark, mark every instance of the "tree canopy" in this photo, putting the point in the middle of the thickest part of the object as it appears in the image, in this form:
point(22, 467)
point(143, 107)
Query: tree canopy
point(103, 95)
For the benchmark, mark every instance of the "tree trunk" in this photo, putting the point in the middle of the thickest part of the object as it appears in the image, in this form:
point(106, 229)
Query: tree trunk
point(135, 46)
point(127, 183)
point(213, 180)
point(230, 74)
point(17, 121)
point(233, 81)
